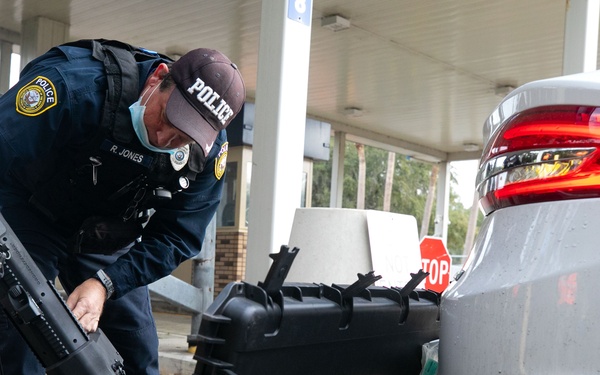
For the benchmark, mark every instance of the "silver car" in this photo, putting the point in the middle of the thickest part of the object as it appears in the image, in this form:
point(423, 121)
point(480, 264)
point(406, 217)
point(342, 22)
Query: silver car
point(528, 298)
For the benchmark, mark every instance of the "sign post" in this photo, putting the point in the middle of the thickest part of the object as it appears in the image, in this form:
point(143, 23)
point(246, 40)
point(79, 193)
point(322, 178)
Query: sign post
point(436, 260)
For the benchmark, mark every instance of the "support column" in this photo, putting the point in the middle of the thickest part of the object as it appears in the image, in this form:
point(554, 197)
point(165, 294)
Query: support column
point(581, 36)
point(38, 35)
point(203, 274)
point(442, 202)
point(5, 59)
point(280, 119)
point(337, 170)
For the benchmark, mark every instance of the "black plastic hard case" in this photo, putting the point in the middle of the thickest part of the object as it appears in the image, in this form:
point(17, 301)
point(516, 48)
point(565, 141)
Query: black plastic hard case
point(312, 329)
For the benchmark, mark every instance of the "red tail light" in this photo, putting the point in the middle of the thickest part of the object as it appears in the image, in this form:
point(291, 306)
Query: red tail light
point(542, 154)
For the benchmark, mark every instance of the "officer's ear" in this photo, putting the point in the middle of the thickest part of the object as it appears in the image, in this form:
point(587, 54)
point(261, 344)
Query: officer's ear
point(158, 74)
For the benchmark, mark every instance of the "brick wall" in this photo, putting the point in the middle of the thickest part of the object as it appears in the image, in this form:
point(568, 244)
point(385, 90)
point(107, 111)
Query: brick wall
point(230, 258)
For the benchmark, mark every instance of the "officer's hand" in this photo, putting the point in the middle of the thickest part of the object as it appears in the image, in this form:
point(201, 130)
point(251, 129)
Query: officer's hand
point(86, 303)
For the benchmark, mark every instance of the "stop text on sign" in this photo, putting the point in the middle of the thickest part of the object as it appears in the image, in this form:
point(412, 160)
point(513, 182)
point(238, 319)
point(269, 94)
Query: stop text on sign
point(435, 260)
point(438, 269)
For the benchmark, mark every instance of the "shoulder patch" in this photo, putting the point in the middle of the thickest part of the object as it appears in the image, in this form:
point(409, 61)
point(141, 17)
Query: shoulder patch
point(221, 161)
point(36, 97)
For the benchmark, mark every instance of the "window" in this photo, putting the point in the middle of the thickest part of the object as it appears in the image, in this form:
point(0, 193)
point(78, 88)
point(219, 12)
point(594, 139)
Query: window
point(226, 210)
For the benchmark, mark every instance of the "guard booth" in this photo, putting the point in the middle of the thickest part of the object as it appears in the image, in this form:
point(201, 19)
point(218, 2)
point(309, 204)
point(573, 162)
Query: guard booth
point(232, 214)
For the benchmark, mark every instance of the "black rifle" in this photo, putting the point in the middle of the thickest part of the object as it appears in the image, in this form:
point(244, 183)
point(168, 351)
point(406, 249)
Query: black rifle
point(44, 320)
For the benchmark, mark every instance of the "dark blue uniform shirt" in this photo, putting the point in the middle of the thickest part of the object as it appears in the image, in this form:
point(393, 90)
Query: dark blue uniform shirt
point(54, 110)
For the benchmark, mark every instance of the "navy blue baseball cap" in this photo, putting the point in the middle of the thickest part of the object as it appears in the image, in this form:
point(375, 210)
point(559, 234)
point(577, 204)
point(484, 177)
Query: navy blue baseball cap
point(209, 93)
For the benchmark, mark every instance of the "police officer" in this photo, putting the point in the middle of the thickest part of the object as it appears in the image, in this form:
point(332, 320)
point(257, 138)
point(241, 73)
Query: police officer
point(111, 167)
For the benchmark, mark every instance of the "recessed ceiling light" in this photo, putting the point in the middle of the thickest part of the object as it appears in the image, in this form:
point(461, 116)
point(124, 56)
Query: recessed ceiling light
point(335, 22)
point(470, 147)
point(503, 90)
point(352, 111)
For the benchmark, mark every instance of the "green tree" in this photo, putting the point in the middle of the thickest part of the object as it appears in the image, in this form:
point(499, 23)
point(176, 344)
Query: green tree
point(321, 181)
point(457, 229)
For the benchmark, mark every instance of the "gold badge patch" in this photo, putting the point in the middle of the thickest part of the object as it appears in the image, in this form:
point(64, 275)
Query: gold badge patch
point(221, 161)
point(36, 97)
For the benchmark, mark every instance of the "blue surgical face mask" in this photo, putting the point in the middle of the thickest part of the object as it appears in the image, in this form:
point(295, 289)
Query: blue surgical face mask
point(137, 118)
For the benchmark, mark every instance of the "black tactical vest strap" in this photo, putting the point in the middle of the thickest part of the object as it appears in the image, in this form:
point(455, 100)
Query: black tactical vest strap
point(123, 87)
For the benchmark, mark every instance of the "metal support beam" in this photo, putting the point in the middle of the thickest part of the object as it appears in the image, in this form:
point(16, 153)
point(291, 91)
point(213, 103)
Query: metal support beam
point(280, 120)
point(5, 60)
point(337, 170)
point(10, 36)
point(197, 297)
point(203, 274)
point(385, 142)
point(442, 202)
point(178, 293)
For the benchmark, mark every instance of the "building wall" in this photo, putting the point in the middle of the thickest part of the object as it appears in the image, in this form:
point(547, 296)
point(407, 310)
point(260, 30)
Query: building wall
point(230, 257)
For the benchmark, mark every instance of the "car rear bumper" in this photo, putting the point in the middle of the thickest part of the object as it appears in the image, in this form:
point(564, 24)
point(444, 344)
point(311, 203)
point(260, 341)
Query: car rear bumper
point(527, 302)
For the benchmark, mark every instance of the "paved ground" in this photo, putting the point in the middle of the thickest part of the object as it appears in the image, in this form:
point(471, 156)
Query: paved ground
point(174, 356)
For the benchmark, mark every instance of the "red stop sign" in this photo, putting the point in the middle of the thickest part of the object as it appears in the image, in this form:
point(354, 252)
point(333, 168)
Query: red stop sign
point(435, 260)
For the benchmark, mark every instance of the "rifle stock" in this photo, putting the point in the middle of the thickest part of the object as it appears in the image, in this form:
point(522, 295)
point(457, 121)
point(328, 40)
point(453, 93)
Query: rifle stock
point(43, 318)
